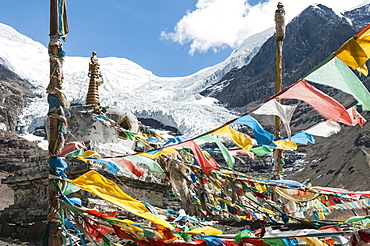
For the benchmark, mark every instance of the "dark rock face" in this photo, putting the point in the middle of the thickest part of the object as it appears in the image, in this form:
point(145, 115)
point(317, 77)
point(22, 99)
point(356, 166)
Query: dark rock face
point(14, 94)
point(363, 139)
point(359, 17)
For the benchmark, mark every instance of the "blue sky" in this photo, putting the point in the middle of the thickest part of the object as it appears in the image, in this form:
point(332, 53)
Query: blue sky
point(167, 37)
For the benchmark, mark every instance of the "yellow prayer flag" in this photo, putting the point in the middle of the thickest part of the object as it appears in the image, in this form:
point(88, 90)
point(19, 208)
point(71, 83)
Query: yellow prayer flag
point(206, 230)
point(313, 241)
point(261, 187)
point(106, 189)
point(356, 51)
point(153, 155)
point(230, 203)
point(281, 144)
point(89, 154)
point(242, 140)
point(268, 210)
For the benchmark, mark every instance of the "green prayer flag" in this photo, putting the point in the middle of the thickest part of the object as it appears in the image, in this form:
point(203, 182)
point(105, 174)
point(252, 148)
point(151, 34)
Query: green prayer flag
point(356, 219)
point(70, 188)
point(148, 234)
point(140, 144)
point(76, 153)
point(225, 152)
point(63, 237)
point(182, 235)
point(245, 233)
point(105, 240)
point(365, 222)
point(274, 241)
point(336, 74)
point(153, 166)
point(73, 209)
point(261, 150)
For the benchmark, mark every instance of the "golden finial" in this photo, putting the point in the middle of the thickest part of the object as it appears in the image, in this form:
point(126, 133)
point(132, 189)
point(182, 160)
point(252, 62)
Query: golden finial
point(96, 79)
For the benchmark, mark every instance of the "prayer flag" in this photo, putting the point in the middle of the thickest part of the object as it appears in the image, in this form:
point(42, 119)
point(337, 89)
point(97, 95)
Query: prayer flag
point(69, 188)
point(262, 136)
point(225, 152)
point(325, 105)
point(324, 129)
point(131, 166)
point(242, 140)
point(98, 185)
point(336, 74)
point(76, 153)
point(356, 51)
point(206, 166)
point(158, 152)
point(62, 19)
point(72, 146)
point(112, 168)
point(153, 166)
point(273, 107)
point(175, 140)
point(355, 116)
point(261, 150)
point(59, 165)
point(281, 144)
point(303, 138)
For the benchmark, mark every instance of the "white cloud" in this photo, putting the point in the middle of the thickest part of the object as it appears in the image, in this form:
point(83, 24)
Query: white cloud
point(216, 24)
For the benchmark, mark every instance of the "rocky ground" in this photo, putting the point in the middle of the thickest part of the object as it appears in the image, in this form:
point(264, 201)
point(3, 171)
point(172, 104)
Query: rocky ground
point(341, 160)
point(14, 242)
point(7, 194)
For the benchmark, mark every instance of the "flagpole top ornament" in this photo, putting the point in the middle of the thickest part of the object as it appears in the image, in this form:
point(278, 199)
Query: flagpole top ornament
point(280, 22)
point(93, 57)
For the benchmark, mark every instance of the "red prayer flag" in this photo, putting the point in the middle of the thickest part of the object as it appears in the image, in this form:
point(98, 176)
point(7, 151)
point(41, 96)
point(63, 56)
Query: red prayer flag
point(327, 106)
point(69, 147)
point(98, 214)
point(355, 116)
point(364, 236)
point(122, 234)
point(206, 166)
point(95, 229)
point(131, 166)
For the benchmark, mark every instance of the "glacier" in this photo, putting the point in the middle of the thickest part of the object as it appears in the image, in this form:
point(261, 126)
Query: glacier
point(174, 101)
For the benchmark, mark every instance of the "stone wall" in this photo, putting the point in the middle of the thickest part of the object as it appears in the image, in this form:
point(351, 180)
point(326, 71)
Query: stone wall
point(26, 218)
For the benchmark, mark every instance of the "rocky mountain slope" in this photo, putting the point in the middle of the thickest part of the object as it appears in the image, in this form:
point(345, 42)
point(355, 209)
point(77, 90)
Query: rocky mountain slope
point(14, 95)
point(310, 38)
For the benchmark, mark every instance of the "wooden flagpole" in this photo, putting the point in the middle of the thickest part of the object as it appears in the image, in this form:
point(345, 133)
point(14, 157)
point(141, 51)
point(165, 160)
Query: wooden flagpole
point(56, 120)
point(280, 34)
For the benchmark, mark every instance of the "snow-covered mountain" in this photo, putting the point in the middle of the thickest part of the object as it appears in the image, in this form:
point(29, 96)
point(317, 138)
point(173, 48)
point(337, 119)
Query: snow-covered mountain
point(173, 101)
